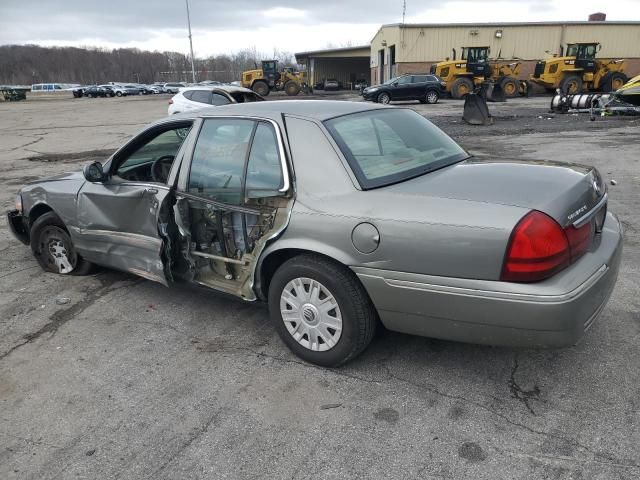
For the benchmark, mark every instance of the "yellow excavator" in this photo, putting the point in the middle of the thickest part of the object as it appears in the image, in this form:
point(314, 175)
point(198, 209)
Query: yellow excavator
point(270, 77)
point(474, 68)
point(579, 70)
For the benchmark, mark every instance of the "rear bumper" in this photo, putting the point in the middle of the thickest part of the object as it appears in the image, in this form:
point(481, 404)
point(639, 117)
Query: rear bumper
point(553, 313)
point(18, 226)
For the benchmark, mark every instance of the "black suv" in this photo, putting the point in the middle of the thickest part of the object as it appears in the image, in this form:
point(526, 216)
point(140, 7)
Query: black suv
point(427, 88)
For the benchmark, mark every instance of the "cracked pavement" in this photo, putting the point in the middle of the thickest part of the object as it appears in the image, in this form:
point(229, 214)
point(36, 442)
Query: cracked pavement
point(132, 380)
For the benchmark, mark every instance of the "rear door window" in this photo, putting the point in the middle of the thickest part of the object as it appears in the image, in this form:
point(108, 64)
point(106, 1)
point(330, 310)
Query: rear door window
point(219, 157)
point(235, 161)
point(201, 96)
point(219, 99)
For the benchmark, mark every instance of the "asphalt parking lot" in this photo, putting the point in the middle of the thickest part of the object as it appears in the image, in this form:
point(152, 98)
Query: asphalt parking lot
point(111, 376)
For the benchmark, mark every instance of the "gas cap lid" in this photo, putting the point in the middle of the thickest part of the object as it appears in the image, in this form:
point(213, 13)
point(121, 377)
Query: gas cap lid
point(365, 237)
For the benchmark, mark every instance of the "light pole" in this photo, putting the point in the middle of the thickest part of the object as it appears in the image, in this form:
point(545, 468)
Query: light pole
point(193, 68)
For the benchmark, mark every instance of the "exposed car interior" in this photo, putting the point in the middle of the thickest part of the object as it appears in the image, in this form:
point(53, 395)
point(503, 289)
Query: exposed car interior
point(151, 160)
point(231, 205)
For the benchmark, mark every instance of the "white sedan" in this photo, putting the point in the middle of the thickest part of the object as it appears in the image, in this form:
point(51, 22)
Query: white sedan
point(193, 98)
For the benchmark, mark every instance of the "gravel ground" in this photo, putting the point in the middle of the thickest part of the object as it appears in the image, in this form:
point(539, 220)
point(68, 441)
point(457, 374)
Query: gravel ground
point(111, 376)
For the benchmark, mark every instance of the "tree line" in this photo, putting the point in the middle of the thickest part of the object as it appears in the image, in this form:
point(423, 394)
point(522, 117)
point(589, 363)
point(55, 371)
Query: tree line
point(29, 64)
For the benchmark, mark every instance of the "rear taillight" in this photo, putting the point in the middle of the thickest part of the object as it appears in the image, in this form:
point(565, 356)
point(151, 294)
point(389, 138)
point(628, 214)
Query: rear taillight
point(539, 248)
point(170, 101)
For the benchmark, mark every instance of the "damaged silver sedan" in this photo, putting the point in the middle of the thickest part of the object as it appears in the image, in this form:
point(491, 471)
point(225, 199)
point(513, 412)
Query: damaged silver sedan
point(340, 215)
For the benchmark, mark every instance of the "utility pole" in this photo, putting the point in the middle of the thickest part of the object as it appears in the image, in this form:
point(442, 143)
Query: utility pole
point(404, 10)
point(193, 67)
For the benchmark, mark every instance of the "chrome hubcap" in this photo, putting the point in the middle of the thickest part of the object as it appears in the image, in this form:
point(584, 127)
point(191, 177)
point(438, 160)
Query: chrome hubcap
point(311, 314)
point(432, 97)
point(384, 99)
point(58, 252)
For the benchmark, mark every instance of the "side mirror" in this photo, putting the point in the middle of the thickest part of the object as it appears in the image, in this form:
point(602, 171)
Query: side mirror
point(599, 46)
point(93, 172)
point(395, 84)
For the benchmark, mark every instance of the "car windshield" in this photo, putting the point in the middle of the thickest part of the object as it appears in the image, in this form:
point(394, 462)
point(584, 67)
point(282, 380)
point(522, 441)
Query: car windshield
point(391, 80)
point(389, 146)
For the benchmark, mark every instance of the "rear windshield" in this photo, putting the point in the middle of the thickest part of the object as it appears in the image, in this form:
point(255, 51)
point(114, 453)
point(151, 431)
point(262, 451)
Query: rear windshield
point(390, 146)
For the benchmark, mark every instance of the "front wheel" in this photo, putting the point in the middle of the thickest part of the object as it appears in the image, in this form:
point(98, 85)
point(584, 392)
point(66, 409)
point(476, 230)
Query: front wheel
point(384, 98)
point(321, 310)
point(53, 249)
point(571, 85)
point(118, 94)
point(261, 88)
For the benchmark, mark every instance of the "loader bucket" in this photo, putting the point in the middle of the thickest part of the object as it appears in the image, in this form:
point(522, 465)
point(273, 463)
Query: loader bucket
point(476, 111)
point(495, 93)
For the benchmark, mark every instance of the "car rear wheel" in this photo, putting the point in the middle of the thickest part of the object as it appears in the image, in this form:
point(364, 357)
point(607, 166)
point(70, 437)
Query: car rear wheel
point(432, 97)
point(320, 310)
point(118, 94)
point(53, 249)
point(384, 98)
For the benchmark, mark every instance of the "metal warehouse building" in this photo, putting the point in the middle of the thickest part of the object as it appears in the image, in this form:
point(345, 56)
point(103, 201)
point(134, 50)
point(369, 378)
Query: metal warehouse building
point(346, 65)
point(412, 48)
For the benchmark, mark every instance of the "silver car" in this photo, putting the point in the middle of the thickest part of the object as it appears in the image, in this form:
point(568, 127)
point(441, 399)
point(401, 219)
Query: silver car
point(340, 215)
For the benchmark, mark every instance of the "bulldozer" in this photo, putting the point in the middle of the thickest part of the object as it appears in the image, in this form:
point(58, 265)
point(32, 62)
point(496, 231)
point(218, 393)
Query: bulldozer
point(475, 68)
point(270, 77)
point(579, 70)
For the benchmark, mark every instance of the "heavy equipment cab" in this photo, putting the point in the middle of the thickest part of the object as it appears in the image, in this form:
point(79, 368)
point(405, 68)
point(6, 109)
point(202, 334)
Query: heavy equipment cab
point(270, 72)
point(585, 54)
point(477, 58)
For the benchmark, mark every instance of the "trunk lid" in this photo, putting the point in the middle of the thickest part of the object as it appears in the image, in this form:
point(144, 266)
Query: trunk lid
point(563, 191)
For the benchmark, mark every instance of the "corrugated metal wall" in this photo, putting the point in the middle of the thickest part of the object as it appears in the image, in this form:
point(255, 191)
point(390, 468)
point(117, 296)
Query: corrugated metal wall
point(529, 42)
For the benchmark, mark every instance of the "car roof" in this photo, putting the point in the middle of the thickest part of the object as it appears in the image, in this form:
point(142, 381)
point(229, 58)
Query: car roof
point(312, 109)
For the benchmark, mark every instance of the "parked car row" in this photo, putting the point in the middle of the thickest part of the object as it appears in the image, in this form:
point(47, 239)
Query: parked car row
point(113, 89)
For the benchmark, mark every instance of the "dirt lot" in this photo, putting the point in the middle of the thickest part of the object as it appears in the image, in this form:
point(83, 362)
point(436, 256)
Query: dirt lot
point(132, 380)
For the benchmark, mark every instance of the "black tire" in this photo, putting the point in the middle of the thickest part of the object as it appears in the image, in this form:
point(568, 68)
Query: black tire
point(261, 88)
point(509, 87)
point(571, 85)
point(461, 86)
point(613, 81)
point(384, 98)
point(432, 97)
point(359, 317)
point(118, 94)
point(292, 88)
point(49, 232)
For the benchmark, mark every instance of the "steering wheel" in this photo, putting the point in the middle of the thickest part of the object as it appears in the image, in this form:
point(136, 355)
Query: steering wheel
point(161, 167)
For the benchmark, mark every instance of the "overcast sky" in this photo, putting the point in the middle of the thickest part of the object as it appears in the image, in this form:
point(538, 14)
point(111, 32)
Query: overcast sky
point(288, 25)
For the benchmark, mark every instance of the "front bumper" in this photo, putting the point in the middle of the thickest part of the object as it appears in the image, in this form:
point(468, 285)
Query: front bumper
point(18, 226)
point(552, 313)
point(371, 96)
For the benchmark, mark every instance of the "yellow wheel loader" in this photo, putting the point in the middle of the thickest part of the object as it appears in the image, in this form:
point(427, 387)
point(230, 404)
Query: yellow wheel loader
point(269, 77)
point(475, 68)
point(579, 70)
